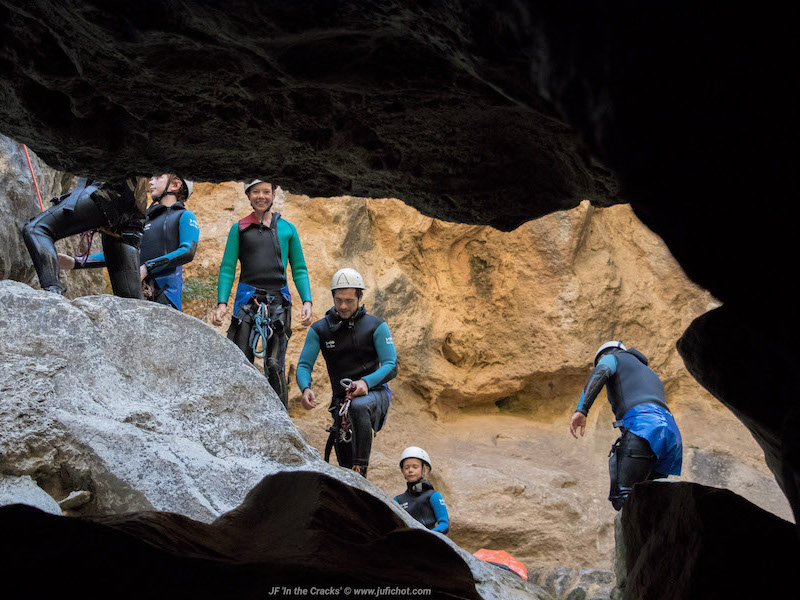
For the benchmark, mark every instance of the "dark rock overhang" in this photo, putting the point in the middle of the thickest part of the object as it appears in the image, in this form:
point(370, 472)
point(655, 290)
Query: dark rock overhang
point(433, 103)
point(456, 107)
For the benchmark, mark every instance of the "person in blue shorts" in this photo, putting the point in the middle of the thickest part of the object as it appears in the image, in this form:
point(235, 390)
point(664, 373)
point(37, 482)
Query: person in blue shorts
point(420, 500)
point(169, 241)
point(650, 446)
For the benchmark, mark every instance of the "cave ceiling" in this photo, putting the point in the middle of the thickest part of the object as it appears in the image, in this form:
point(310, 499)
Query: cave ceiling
point(470, 110)
point(433, 103)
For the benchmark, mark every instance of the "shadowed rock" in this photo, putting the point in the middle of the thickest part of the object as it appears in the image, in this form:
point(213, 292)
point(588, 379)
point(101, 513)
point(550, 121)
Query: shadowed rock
point(683, 540)
point(293, 529)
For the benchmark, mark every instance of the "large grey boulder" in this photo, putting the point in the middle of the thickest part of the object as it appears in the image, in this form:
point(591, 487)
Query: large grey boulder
point(149, 409)
point(18, 204)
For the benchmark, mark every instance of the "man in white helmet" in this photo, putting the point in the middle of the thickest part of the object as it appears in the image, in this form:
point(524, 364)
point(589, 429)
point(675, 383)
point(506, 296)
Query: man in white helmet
point(264, 244)
point(360, 357)
point(650, 446)
point(170, 238)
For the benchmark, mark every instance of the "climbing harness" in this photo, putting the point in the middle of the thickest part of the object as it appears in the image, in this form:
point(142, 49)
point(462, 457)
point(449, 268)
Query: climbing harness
point(341, 431)
point(262, 329)
point(35, 184)
point(87, 236)
point(346, 426)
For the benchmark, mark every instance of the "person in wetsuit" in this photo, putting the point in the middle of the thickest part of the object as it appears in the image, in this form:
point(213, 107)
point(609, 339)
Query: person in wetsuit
point(360, 357)
point(115, 208)
point(264, 244)
point(650, 446)
point(420, 500)
point(170, 238)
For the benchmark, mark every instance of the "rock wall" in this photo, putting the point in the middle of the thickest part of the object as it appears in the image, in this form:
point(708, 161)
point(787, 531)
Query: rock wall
point(495, 333)
point(18, 204)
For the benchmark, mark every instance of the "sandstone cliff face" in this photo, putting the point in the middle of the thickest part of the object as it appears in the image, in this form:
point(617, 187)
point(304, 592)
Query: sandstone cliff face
point(495, 333)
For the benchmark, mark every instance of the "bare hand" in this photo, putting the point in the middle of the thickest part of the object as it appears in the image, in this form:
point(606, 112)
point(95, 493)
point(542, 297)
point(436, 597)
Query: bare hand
point(360, 388)
point(578, 421)
point(65, 262)
point(219, 314)
point(147, 290)
point(309, 400)
point(305, 314)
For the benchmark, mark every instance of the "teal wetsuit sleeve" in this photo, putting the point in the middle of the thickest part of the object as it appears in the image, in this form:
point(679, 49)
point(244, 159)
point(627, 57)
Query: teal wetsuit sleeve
point(440, 511)
point(605, 368)
point(308, 357)
point(188, 237)
point(384, 346)
point(227, 269)
point(298, 264)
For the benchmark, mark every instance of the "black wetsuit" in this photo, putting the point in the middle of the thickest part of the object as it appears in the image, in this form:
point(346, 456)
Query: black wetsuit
point(263, 277)
point(117, 209)
point(360, 347)
point(425, 504)
point(650, 445)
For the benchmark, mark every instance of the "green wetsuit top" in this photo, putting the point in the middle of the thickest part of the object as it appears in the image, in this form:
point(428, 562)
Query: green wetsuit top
point(290, 247)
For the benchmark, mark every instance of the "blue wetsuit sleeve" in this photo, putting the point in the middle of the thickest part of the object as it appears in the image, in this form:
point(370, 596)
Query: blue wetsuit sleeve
point(308, 357)
point(605, 368)
point(93, 261)
point(384, 346)
point(440, 512)
point(188, 236)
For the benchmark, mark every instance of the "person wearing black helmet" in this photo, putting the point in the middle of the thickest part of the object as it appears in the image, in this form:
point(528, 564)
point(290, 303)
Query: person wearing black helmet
point(360, 357)
point(420, 499)
point(265, 244)
point(170, 238)
point(650, 446)
point(116, 209)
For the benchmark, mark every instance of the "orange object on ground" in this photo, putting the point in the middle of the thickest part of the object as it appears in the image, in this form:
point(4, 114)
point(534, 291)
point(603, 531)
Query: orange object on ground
point(502, 558)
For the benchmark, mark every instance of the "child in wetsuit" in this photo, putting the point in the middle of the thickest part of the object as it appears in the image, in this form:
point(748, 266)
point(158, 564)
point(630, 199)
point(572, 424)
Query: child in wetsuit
point(420, 500)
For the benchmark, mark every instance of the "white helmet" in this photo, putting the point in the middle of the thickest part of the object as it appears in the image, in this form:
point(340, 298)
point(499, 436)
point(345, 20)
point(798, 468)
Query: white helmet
point(250, 184)
point(415, 452)
point(605, 347)
point(347, 278)
point(189, 186)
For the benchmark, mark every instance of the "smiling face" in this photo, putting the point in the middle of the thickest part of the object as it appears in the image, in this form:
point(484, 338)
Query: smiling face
point(261, 197)
point(346, 301)
point(412, 469)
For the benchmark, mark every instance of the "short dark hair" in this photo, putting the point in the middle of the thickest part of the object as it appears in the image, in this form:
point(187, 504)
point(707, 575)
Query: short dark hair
point(359, 292)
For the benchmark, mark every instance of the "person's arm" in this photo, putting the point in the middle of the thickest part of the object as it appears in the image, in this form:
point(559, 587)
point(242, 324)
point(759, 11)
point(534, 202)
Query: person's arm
point(605, 368)
point(305, 365)
point(384, 346)
point(440, 512)
point(227, 269)
point(93, 261)
point(188, 237)
point(298, 264)
point(308, 357)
